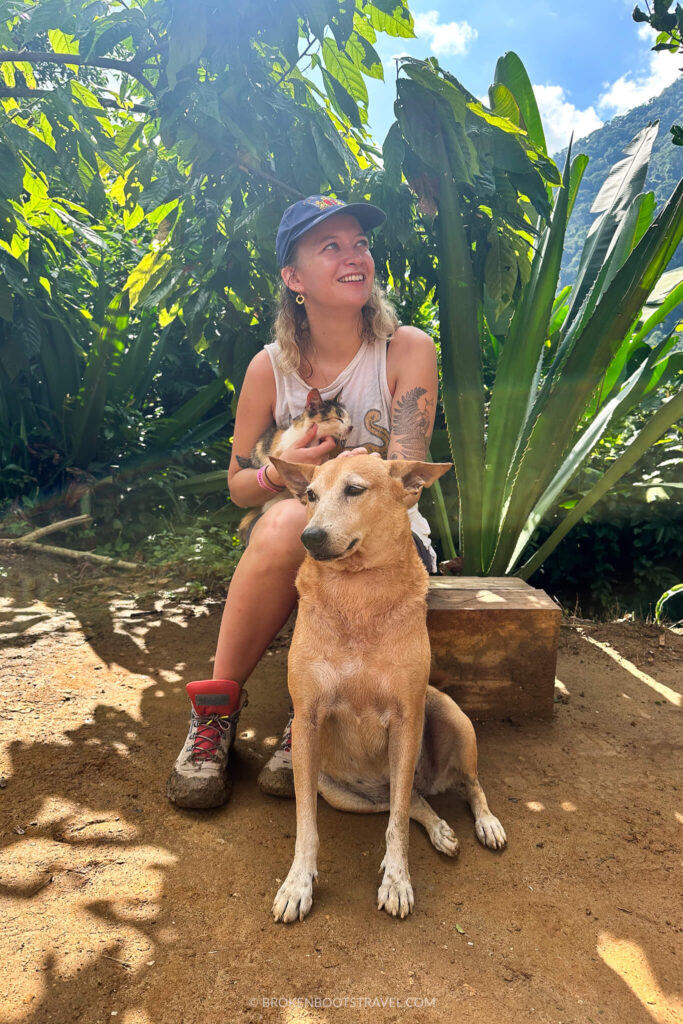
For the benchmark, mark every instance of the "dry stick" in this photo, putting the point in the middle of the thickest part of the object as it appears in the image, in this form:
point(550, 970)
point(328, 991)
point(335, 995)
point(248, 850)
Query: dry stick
point(63, 524)
point(84, 556)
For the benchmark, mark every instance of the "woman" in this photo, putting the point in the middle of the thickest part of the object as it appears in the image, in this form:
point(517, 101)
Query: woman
point(334, 331)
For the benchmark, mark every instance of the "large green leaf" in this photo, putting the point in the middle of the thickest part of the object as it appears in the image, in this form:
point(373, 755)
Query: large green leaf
point(393, 152)
point(656, 427)
point(11, 172)
point(511, 73)
point(593, 350)
point(87, 413)
point(345, 72)
point(666, 297)
point(517, 370)
point(190, 414)
point(610, 414)
point(623, 183)
point(462, 374)
point(383, 18)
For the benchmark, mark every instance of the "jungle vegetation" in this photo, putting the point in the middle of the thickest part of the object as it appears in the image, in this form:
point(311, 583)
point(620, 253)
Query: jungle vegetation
point(146, 153)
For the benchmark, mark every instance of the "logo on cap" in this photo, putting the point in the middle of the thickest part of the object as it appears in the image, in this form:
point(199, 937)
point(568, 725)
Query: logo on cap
point(321, 202)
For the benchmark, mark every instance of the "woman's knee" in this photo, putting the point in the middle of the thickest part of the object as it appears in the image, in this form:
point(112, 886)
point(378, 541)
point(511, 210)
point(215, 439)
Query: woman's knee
point(278, 532)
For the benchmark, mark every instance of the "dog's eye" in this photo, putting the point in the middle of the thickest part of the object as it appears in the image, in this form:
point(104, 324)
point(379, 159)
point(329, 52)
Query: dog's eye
point(353, 490)
point(311, 495)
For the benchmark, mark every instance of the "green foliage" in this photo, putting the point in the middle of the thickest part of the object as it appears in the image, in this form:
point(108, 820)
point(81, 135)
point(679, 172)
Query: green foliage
point(489, 182)
point(673, 592)
point(629, 546)
point(198, 549)
point(146, 154)
point(568, 368)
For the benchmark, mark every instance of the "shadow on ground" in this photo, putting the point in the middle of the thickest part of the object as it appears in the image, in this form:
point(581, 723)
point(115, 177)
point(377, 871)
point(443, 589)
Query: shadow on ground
point(117, 907)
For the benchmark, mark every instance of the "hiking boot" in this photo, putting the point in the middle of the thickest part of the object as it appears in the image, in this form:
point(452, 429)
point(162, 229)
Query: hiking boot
point(277, 777)
point(199, 777)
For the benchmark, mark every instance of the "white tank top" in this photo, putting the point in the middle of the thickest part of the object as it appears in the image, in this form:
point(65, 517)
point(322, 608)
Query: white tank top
point(362, 388)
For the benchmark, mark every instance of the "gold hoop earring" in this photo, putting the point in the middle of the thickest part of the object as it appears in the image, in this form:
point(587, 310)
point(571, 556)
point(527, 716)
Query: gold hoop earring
point(299, 299)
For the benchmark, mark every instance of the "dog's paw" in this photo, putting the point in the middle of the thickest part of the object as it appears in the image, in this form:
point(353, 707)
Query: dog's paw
point(395, 895)
point(295, 896)
point(490, 832)
point(444, 838)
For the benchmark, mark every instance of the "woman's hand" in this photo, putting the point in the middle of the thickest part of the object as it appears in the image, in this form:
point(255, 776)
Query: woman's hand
point(358, 451)
point(305, 452)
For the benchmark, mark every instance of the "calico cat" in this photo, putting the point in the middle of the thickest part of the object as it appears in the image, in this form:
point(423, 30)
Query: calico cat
point(333, 421)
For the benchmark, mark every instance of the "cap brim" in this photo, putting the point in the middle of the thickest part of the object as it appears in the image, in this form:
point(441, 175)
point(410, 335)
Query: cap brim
point(367, 215)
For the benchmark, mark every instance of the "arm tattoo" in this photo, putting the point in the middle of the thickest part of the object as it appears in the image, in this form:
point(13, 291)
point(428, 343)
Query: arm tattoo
point(410, 421)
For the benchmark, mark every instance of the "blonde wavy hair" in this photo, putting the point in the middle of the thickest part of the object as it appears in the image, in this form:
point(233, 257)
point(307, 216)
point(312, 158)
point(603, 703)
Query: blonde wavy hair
point(291, 332)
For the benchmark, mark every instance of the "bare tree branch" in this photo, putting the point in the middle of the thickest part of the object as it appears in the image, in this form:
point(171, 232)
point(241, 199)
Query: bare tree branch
point(106, 101)
point(128, 67)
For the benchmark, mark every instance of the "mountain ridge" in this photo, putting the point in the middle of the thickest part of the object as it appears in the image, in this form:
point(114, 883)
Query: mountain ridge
point(605, 147)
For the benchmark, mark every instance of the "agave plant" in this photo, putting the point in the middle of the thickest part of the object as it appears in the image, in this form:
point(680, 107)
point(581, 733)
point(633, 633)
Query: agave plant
point(545, 415)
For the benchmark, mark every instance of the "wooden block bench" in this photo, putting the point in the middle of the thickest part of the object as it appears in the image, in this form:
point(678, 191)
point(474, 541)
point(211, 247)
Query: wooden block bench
point(494, 645)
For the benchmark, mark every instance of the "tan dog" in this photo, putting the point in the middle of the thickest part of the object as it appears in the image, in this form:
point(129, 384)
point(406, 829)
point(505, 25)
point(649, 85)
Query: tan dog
point(368, 733)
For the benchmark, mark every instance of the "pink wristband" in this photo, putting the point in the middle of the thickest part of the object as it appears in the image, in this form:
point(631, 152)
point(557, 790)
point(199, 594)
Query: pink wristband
point(264, 483)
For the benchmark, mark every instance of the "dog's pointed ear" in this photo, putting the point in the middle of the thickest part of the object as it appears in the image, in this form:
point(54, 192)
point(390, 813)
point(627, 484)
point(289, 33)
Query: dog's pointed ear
point(416, 475)
point(296, 476)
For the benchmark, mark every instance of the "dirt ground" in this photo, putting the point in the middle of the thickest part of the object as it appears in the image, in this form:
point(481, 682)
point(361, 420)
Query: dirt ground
point(114, 906)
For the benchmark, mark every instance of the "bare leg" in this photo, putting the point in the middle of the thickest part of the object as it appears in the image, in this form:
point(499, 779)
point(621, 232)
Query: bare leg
point(343, 799)
point(261, 594)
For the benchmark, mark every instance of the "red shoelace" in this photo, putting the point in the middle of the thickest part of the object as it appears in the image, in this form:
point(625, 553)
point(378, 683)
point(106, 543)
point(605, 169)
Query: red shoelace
point(208, 738)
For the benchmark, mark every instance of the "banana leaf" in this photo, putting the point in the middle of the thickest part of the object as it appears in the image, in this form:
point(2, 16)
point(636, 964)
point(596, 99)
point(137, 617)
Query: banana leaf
point(511, 73)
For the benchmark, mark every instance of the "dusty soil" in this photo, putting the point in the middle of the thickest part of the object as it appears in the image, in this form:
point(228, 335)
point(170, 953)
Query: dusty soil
point(116, 906)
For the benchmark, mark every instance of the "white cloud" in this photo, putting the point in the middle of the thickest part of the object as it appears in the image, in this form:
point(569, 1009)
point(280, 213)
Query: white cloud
point(390, 65)
point(631, 90)
point(452, 37)
point(560, 117)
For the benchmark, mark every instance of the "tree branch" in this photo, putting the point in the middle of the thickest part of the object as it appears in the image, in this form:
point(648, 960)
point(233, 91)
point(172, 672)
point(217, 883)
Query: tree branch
point(296, 62)
point(248, 169)
point(105, 101)
point(128, 67)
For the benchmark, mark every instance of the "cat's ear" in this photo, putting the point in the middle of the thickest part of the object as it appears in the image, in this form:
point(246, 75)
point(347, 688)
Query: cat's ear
point(314, 401)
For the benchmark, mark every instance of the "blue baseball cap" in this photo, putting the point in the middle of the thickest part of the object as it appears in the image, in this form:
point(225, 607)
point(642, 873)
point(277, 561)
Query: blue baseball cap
point(299, 217)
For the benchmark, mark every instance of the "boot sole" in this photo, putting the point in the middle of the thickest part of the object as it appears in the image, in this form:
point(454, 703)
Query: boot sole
point(277, 783)
point(184, 792)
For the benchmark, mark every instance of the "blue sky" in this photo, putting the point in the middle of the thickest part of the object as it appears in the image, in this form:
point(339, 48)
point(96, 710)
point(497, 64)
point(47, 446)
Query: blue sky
point(587, 60)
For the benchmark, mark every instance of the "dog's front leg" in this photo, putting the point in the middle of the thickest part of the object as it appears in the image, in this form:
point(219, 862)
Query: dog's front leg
point(295, 896)
point(395, 894)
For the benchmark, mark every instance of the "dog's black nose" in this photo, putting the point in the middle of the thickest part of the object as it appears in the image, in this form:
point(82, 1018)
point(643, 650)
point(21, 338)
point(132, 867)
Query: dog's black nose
point(313, 538)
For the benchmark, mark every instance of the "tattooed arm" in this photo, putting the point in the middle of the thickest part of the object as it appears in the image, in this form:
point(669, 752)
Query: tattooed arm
point(413, 381)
